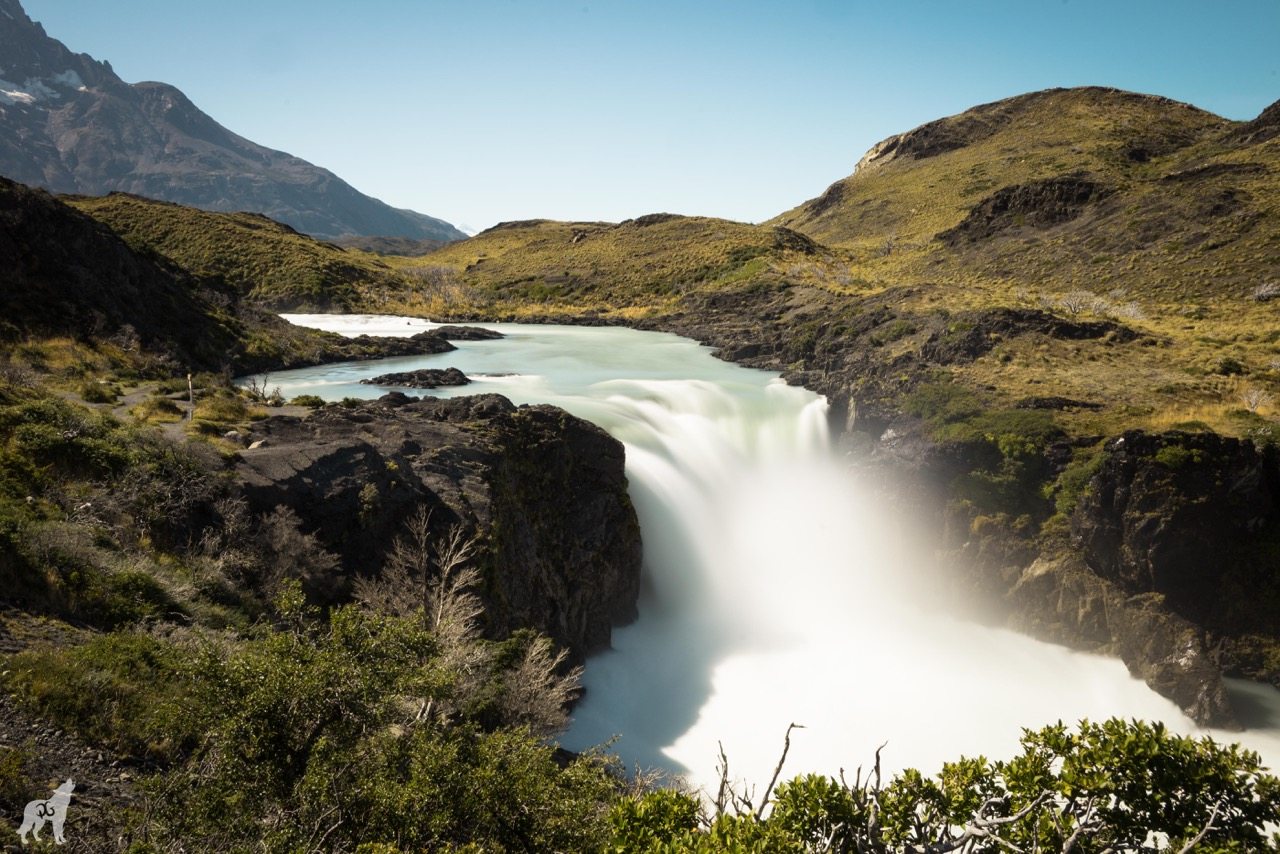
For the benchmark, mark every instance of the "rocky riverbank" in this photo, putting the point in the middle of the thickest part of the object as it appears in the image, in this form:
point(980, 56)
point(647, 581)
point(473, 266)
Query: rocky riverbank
point(543, 492)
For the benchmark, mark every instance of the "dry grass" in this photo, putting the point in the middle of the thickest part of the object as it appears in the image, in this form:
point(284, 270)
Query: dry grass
point(635, 267)
point(263, 260)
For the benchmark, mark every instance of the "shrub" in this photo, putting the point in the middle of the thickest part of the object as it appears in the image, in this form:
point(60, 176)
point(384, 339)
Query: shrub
point(16, 787)
point(891, 332)
point(222, 408)
point(1073, 481)
point(157, 410)
point(1116, 785)
point(1175, 457)
point(1230, 366)
point(310, 400)
point(1267, 292)
point(307, 722)
point(94, 392)
point(942, 403)
point(126, 691)
point(646, 822)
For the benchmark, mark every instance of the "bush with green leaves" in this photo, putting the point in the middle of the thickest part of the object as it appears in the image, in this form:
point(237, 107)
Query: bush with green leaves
point(319, 733)
point(1110, 786)
point(126, 691)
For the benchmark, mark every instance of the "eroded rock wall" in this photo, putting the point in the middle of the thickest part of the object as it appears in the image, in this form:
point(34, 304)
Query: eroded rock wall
point(544, 491)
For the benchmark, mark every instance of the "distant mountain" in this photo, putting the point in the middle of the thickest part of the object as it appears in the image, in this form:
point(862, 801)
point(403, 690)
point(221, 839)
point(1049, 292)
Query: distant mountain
point(69, 124)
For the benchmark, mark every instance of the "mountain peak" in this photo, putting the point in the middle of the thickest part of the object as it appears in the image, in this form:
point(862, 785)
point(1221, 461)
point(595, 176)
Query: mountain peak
point(1042, 147)
point(69, 124)
point(12, 10)
point(985, 120)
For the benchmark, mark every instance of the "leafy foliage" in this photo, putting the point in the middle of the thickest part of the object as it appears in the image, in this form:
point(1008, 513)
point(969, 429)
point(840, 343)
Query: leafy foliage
point(1109, 786)
point(312, 734)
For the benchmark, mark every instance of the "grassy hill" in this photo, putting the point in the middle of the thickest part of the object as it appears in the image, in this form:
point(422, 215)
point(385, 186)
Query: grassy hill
point(262, 260)
point(639, 267)
point(1064, 189)
point(1089, 204)
point(79, 304)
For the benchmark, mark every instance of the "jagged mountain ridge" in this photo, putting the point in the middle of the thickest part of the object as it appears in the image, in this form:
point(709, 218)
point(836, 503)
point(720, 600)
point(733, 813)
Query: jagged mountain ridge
point(69, 124)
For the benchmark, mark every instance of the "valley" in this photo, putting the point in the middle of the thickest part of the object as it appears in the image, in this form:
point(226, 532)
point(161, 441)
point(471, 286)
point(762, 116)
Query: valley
point(1043, 333)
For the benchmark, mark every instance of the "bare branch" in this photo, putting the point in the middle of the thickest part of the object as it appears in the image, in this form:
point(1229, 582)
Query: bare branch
point(786, 748)
point(722, 791)
point(1204, 831)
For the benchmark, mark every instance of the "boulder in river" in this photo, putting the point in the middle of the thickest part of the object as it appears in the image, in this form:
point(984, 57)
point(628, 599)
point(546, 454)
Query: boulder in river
point(423, 378)
point(467, 333)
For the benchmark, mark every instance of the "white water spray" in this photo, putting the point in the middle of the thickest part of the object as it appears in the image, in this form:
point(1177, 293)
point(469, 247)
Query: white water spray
point(777, 589)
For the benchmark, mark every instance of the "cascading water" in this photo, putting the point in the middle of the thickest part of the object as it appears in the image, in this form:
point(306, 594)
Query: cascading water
point(778, 590)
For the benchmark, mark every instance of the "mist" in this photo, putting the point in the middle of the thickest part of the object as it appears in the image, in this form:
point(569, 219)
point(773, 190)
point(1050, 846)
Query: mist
point(781, 585)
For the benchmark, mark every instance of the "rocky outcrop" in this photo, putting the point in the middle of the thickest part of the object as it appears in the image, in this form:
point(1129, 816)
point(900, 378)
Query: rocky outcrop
point(1061, 600)
point(974, 334)
point(1172, 564)
point(387, 346)
point(467, 333)
point(1038, 204)
point(1194, 518)
point(424, 378)
point(544, 491)
point(1262, 129)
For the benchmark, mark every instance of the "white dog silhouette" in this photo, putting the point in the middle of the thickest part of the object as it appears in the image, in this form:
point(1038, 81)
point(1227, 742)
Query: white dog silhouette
point(54, 811)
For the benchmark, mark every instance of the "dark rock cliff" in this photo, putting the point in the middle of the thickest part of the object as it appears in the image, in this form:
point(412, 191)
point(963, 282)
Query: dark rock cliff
point(1195, 519)
point(544, 491)
point(1173, 564)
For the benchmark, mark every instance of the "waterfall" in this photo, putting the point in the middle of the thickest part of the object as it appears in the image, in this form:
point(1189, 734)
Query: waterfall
point(778, 588)
point(782, 590)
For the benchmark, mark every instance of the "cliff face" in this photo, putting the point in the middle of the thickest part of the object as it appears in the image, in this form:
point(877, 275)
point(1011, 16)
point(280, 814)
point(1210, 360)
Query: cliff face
point(1174, 565)
point(1195, 519)
point(544, 491)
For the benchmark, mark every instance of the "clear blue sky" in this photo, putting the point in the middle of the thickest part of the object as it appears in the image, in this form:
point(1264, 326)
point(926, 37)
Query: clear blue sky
point(478, 111)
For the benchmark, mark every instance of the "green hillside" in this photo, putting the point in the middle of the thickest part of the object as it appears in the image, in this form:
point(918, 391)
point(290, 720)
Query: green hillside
point(639, 267)
point(264, 261)
point(1088, 204)
point(1065, 189)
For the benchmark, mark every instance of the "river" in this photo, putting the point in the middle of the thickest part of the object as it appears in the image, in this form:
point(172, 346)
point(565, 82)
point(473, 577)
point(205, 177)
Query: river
point(778, 588)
